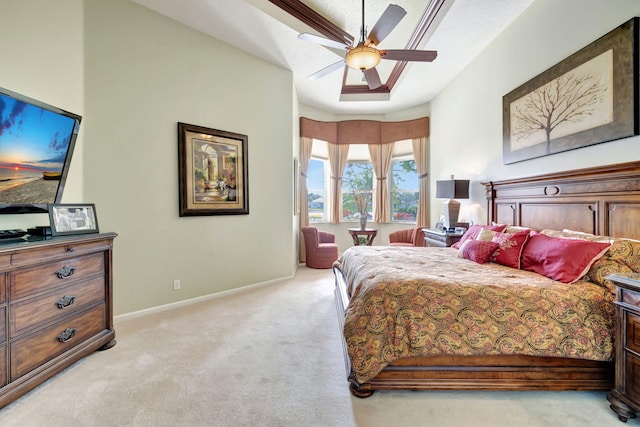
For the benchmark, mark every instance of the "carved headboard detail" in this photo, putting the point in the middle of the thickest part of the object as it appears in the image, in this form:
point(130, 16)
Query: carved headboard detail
point(600, 200)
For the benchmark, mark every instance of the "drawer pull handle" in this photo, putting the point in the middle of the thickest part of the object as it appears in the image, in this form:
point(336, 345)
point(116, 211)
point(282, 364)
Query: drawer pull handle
point(65, 272)
point(68, 249)
point(65, 301)
point(67, 335)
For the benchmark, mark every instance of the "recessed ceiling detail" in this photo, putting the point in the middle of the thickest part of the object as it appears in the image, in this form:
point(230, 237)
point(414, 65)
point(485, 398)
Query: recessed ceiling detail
point(359, 62)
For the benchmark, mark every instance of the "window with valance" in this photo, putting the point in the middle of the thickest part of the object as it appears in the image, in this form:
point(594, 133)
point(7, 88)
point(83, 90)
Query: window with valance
point(348, 141)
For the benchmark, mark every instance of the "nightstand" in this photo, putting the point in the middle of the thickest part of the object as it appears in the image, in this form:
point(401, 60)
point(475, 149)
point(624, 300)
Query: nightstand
point(440, 238)
point(363, 237)
point(625, 397)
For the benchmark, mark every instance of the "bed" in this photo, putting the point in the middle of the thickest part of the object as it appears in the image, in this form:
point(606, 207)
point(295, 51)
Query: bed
point(601, 201)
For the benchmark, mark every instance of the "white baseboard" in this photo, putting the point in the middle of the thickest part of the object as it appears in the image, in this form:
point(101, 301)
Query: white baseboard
point(170, 306)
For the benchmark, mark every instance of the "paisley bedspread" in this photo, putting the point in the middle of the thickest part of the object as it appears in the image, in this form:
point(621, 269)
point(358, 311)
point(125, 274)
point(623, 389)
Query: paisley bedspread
point(426, 301)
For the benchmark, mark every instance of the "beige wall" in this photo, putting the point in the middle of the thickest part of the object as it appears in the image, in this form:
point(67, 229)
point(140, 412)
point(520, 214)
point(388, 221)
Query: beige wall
point(466, 117)
point(145, 73)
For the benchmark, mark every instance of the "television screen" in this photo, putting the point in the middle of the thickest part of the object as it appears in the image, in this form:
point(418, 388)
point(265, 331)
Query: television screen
point(36, 145)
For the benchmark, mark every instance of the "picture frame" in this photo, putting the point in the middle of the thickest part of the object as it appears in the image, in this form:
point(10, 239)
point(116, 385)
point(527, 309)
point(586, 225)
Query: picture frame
point(589, 98)
point(70, 219)
point(213, 171)
point(296, 186)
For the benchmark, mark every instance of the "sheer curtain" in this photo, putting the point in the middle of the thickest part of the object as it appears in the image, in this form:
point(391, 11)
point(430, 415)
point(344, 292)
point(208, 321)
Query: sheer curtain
point(306, 145)
point(421, 158)
point(337, 160)
point(381, 161)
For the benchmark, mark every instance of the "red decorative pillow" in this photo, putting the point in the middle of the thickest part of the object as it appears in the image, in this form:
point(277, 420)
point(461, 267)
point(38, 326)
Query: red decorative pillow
point(564, 260)
point(510, 248)
point(474, 230)
point(477, 250)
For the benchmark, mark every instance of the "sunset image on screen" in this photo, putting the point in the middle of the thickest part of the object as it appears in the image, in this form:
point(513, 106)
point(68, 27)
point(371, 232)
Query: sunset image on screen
point(33, 146)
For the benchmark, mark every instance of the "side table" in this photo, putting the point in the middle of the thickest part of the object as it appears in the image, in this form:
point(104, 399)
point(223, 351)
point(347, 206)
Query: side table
point(368, 234)
point(625, 397)
point(440, 238)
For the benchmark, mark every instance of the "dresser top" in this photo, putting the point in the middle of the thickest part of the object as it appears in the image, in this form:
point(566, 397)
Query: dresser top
point(31, 242)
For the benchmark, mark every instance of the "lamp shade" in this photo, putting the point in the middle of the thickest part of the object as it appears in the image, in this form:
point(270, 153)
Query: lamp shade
point(452, 189)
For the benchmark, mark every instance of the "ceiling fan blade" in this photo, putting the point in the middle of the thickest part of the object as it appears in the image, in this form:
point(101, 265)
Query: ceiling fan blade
point(387, 22)
point(409, 55)
point(323, 41)
point(373, 78)
point(327, 70)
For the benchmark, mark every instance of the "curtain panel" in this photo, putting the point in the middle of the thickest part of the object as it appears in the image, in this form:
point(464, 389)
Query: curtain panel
point(381, 161)
point(337, 161)
point(421, 158)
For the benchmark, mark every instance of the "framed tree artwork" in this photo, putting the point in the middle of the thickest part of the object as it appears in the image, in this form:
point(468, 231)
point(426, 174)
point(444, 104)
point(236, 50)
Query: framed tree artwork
point(213, 171)
point(588, 98)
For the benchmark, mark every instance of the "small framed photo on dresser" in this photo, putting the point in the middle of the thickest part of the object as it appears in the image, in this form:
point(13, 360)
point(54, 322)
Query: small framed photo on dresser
point(68, 219)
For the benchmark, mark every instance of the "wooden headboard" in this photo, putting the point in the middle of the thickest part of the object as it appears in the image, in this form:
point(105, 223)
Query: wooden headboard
point(601, 200)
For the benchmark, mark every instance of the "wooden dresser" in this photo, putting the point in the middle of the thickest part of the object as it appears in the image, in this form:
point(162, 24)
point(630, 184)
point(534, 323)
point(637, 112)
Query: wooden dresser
point(55, 307)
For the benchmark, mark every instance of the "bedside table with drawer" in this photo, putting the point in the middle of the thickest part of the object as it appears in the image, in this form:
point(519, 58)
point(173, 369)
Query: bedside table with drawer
point(440, 238)
point(625, 397)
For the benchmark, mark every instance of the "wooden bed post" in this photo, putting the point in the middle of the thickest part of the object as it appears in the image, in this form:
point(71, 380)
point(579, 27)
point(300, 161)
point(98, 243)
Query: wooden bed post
point(491, 194)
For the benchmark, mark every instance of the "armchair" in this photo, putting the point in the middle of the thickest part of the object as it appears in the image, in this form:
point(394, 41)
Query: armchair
point(320, 248)
point(407, 237)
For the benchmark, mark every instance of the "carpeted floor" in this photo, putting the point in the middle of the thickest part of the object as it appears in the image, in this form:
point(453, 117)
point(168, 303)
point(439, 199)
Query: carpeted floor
point(265, 356)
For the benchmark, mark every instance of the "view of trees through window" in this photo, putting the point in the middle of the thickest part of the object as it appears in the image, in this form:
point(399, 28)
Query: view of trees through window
point(358, 177)
point(357, 181)
point(404, 190)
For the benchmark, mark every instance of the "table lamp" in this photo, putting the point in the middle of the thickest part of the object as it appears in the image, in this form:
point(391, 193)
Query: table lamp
point(452, 189)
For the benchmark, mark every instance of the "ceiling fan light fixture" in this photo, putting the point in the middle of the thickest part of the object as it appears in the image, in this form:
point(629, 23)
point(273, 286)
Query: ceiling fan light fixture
point(362, 57)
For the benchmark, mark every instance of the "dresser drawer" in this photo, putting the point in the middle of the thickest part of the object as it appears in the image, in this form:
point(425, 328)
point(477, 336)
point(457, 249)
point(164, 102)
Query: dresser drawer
point(3, 288)
point(63, 272)
point(33, 350)
point(632, 339)
point(630, 297)
point(3, 326)
point(632, 379)
point(53, 252)
point(30, 313)
point(435, 243)
point(4, 377)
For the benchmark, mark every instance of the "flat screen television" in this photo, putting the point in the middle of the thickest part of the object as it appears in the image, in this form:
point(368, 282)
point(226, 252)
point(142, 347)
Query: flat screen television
point(36, 145)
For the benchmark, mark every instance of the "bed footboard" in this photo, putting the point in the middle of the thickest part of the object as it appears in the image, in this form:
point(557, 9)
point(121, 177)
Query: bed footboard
point(342, 301)
point(475, 372)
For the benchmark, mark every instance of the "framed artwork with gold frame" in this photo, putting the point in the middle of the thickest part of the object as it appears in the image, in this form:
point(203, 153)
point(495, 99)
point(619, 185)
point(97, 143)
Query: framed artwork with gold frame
point(212, 171)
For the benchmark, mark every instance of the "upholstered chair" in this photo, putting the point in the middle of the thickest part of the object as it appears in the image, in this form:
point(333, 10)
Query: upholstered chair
point(320, 248)
point(407, 237)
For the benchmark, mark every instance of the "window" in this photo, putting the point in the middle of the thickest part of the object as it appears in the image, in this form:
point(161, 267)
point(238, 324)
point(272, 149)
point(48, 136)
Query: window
point(317, 186)
point(404, 190)
point(357, 180)
point(358, 175)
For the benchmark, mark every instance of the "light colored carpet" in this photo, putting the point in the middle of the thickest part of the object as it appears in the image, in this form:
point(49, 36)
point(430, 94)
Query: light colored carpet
point(265, 356)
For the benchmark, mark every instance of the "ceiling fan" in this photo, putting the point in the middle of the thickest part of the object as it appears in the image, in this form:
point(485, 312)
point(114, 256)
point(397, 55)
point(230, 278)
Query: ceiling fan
point(365, 55)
